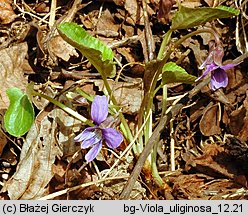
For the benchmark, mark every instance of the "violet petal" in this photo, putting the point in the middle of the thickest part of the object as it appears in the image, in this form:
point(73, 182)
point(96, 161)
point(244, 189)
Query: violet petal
point(99, 109)
point(219, 79)
point(93, 152)
point(113, 138)
point(86, 134)
point(209, 60)
point(209, 69)
point(228, 66)
point(93, 140)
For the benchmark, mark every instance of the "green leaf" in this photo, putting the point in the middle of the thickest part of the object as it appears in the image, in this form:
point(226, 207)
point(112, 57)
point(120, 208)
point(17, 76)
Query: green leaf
point(99, 55)
point(172, 73)
point(19, 117)
point(190, 17)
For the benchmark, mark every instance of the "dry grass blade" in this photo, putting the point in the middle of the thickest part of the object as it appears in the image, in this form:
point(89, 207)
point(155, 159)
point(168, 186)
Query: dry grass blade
point(59, 193)
point(52, 13)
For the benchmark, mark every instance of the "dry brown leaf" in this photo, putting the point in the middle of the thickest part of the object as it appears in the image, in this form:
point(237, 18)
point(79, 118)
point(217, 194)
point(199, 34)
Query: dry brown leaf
point(129, 30)
point(211, 3)
point(10, 157)
point(67, 126)
point(88, 21)
point(241, 28)
point(243, 134)
point(164, 10)
point(113, 188)
point(191, 3)
point(128, 95)
point(128, 53)
point(237, 120)
point(11, 73)
point(246, 100)
point(209, 124)
point(76, 178)
point(59, 171)
point(42, 7)
point(107, 26)
point(7, 15)
point(60, 48)
point(3, 139)
point(214, 161)
point(235, 78)
point(142, 39)
point(200, 186)
point(221, 161)
point(46, 89)
point(244, 131)
point(189, 186)
point(148, 75)
point(200, 55)
point(117, 2)
point(236, 96)
point(134, 12)
point(197, 109)
point(34, 170)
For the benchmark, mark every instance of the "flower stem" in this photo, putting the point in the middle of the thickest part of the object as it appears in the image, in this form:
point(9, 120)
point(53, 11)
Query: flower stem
point(64, 107)
point(155, 173)
point(199, 31)
point(164, 100)
point(125, 127)
point(148, 99)
point(164, 44)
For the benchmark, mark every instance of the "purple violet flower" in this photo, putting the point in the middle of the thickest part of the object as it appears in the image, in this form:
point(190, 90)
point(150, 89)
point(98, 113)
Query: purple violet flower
point(219, 77)
point(213, 65)
point(102, 132)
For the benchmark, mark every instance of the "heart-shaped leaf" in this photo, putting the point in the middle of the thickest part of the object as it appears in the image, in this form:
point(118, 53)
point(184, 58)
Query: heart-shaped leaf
point(172, 73)
point(19, 116)
point(99, 55)
point(190, 17)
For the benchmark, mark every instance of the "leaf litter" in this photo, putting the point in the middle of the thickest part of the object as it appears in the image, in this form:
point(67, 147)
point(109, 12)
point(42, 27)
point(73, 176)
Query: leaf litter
point(12, 74)
point(209, 133)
